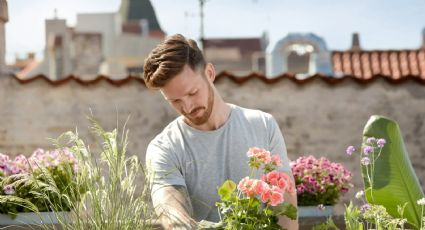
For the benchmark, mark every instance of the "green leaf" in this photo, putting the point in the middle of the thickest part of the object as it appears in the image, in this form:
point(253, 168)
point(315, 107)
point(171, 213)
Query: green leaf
point(203, 224)
point(286, 209)
point(352, 217)
point(226, 190)
point(394, 179)
point(329, 224)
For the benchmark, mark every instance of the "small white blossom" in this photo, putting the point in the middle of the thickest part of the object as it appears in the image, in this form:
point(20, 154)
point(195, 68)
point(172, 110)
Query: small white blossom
point(421, 201)
point(321, 207)
point(359, 194)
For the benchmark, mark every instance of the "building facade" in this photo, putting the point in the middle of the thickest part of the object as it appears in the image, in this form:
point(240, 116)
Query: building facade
point(113, 44)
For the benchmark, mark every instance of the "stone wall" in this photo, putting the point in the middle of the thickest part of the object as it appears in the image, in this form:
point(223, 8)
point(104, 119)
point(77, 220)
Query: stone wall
point(316, 118)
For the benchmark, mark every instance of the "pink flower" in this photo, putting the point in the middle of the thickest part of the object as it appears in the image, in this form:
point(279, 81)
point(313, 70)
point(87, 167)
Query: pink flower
point(266, 195)
point(276, 160)
point(350, 150)
point(367, 150)
point(371, 140)
point(261, 154)
point(381, 142)
point(276, 196)
point(272, 177)
point(320, 176)
point(8, 190)
point(246, 186)
point(260, 186)
point(365, 161)
point(280, 180)
point(300, 188)
point(3, 159)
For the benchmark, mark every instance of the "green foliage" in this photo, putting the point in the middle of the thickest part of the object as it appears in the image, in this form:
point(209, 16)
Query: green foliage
point(107, 192)
point(255, 204)
point(329, 224)
point(31, 189)
point(330, 197)
point(286, 209)
point(394, 181)
point(247, 213)
point(353, 217)
point(114, 196)
point(226, 190)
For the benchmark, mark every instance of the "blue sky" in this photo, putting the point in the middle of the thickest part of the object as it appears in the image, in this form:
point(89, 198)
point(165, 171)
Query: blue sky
point(382, 24)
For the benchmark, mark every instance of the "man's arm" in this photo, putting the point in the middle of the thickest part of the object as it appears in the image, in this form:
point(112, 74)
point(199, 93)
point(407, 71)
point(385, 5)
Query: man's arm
point(173, 207)
point(284, 221)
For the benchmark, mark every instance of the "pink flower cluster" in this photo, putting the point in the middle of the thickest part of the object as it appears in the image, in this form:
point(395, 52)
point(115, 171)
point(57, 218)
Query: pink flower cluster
point(319, 175)
point(272, 186)
point(260, 156)
point(39, 157)
point(270, 189)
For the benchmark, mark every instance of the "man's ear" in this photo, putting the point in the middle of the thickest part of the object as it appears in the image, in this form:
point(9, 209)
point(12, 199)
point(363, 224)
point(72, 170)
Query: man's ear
point(210, 72)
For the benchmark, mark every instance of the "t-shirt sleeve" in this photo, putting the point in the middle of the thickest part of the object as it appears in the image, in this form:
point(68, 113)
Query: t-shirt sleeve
point(163, 168)
point(277, 144)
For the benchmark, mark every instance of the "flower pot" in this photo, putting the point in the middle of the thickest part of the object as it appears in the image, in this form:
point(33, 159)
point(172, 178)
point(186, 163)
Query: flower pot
point(314, 211)
point(33, 218)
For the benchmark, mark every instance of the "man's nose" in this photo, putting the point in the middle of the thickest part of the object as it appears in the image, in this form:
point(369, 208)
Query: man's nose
point(187, 106)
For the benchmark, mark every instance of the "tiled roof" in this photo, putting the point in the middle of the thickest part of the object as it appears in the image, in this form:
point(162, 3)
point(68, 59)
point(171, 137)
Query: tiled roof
point(395, 64)
point(330, 80)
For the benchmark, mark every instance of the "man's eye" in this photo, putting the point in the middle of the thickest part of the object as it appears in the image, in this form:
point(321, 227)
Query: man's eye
point(193, 94)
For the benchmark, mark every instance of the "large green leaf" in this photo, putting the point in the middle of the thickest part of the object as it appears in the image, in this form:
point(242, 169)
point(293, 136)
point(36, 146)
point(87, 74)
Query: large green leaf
point(286, 209)
point(394, 179)
point(226, 190)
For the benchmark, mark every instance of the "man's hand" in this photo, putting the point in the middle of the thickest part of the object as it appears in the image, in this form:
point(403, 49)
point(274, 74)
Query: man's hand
point(173, 207)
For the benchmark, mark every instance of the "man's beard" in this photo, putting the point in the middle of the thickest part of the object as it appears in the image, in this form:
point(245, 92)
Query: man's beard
point(207, 111)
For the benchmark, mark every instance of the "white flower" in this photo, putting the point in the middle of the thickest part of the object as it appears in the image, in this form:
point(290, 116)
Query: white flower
point(421, 201)
point(321, 207)
point(359, 194)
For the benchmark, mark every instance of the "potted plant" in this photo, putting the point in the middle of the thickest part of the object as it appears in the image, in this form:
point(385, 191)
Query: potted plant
point(102, 187)
point(392, 196)
point(116, 195)
point(22, 183)
point(255, 203)
point(319, 184)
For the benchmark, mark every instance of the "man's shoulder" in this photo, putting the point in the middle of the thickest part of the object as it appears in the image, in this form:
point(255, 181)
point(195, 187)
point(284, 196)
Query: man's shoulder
point(167, 135)
point(252, 114)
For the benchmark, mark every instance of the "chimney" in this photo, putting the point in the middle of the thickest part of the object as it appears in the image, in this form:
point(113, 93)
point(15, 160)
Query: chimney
point(355, 42)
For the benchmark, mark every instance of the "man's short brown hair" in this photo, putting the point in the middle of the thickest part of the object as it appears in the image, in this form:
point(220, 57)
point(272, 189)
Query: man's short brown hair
point(169, 58)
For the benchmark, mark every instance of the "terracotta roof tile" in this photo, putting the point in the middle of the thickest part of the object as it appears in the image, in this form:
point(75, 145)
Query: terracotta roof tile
point(393, 64)
point(330, 80)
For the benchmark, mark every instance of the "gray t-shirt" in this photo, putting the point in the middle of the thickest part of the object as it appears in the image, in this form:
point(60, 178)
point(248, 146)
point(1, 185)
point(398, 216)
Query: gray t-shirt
point(202, 160)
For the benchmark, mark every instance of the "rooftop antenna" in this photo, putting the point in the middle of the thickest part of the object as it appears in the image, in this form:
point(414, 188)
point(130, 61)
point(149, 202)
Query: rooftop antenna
point(201, 7)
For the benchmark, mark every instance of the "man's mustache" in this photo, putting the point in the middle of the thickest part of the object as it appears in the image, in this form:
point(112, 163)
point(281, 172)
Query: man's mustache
point(195, 110)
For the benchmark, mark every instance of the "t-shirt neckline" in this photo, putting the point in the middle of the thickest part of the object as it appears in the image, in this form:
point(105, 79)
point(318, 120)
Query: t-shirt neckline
point(220, 129)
